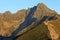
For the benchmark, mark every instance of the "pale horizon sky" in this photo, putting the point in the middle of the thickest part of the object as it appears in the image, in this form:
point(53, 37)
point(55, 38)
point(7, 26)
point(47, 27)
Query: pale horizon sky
point(15, 5)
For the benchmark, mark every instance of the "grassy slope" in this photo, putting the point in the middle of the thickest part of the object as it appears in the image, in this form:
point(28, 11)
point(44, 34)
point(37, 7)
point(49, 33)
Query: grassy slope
point(38, 33)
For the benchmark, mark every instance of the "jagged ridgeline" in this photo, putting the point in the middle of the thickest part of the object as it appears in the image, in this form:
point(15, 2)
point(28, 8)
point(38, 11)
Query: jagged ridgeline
point(28, 24)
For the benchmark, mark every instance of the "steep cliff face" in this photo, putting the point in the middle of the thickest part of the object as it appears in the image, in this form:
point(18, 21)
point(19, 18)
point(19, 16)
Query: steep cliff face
point(12, 24)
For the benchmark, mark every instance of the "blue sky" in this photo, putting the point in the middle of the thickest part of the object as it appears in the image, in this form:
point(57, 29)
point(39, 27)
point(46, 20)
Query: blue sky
point(15, 5)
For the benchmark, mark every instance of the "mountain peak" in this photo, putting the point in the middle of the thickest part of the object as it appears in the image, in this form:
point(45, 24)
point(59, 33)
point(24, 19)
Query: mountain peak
point(41, 5)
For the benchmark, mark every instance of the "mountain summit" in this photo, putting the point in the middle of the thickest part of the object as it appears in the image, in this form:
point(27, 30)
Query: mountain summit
point(33, 22)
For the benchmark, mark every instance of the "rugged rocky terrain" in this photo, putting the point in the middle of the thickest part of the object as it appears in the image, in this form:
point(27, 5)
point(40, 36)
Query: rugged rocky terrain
point(36, 23)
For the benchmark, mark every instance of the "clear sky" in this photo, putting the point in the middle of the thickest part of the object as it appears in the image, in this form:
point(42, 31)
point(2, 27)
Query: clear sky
point(15, 5)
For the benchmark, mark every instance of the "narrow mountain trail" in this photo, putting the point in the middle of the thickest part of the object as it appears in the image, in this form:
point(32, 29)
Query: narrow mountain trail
point(54, 35)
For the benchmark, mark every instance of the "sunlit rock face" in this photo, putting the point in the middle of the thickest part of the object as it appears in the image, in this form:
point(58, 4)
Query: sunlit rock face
point(53, 33)
point(10, 22)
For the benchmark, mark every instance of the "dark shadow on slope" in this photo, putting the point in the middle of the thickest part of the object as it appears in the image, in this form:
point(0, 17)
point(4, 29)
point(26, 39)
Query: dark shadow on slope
point(52, 18)
point(27, 22)
point(48, 18)
point(43, 19)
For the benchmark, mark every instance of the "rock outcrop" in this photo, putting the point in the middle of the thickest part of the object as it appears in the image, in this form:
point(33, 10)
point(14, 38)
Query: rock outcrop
point(53, 32)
